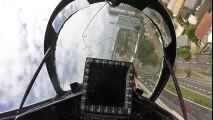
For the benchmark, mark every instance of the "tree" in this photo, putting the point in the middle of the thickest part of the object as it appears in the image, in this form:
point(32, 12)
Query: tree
point(146, 53)
point(184, 53)
point(190, 31)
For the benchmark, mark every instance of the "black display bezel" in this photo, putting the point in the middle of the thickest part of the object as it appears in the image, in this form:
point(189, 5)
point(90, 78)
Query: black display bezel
point(126, 109)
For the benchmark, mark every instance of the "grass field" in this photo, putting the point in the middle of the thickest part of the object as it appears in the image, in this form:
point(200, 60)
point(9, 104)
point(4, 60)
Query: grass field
point(192, 96)
point(201, 74)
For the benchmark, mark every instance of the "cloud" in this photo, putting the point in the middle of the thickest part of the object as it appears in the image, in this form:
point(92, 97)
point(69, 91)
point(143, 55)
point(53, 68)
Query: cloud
point(21, 48)
point(22, 30)
point(71, 51)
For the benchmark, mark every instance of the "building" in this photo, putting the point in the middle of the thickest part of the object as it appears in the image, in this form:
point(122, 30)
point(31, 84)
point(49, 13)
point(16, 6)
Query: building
point(208, 46)
point(191, 4)
point(189, 8)
point(204, 26)
point(179, 30)
point(192, 20)
point(171, 4)
point(210, 38)
point(127, 23)
point(206, 37)
point(178, 7)
point(185, 14)
point(165, 1)
point(210, 42)
point(183, 42)
point(118, 11)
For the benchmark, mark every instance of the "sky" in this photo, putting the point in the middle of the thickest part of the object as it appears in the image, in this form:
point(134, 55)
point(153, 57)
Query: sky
point(23, 24)
point(71, 50)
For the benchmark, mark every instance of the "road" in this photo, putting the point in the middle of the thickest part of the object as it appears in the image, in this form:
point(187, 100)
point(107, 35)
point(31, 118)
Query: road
point(194, 111)
point(199, 86)
point(201, 65)
point(195, 84)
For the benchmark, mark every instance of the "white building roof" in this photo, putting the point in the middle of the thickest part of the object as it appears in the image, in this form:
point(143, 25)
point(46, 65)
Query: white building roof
point(171, 4)
point(210, 37)
point(192, 20)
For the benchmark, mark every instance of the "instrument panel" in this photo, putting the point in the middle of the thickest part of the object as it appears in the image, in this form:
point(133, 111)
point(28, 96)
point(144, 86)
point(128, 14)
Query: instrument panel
point(107, 88)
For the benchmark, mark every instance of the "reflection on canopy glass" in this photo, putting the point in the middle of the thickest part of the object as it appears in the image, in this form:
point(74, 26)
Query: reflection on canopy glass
point(122, 33)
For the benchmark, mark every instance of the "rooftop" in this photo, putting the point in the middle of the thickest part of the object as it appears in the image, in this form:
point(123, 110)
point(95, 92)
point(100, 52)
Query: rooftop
point(183, 41)
point(192, 20)
point(190, 4)
point(204, 25)
point(171, 4)
point(210, 38)
point(186, 12)
point(178, 5)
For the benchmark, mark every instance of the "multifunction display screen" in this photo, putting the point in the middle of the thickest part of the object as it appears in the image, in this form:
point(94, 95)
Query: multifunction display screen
point(106, 85)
